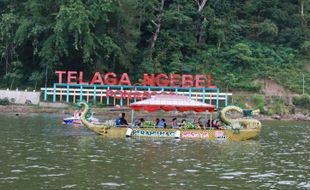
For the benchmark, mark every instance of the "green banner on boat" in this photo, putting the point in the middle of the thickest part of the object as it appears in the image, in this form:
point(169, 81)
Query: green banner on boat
point(143, 133)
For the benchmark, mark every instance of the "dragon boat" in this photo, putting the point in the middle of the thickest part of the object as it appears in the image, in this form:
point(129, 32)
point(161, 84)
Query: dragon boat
point(239, 129)
point(77, 120)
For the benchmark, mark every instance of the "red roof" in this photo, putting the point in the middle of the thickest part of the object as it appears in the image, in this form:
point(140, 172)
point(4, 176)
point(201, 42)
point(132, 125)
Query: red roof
point(170, 103)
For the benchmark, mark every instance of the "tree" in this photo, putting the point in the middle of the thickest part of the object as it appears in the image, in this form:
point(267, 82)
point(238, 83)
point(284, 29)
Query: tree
point(14, 74)
point(241, 55)
point(8, 25)
point(157, 26)
point(35, 77)
point(267, 30)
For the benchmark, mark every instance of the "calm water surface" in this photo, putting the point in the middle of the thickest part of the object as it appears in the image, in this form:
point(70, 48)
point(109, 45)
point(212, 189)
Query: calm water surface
point(38, 152)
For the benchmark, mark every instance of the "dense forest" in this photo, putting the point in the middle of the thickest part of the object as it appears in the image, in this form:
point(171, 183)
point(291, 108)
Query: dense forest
point(237, 41)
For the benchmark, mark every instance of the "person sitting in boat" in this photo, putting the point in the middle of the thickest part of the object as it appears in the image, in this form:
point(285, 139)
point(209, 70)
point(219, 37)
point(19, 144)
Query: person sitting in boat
point(156, 122)
point(209, 123)
point(121, 121)
point(139, 122)
point(76, 114)
point(175, 123)
point(162, 123)
point(183, 123)
point(217, 125)
point(199, 123)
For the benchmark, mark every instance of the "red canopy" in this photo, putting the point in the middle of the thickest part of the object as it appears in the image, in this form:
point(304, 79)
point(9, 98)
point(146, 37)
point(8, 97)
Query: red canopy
point(171, 102)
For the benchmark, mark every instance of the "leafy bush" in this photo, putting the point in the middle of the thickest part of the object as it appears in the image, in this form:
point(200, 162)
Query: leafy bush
point(267, 30)
point(305, 47)
point(280, 100)
point(4, 101)
point(302, 101)
point(279, 106)
point(148, 124)
point(259, 101)
point(189, 125)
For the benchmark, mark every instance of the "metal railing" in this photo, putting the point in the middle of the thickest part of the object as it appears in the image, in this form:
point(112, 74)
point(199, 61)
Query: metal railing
point(124, 95)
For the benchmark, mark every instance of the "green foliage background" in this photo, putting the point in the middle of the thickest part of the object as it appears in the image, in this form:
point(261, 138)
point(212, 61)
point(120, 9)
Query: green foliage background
point(237, 41)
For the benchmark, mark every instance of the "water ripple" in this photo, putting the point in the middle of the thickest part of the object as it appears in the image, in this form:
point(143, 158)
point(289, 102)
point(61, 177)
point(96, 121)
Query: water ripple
point(113, 184)
point(52, 175)
point(69, 186)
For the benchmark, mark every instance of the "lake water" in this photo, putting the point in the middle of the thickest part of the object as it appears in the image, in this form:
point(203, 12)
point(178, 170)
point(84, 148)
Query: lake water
point(38, 152)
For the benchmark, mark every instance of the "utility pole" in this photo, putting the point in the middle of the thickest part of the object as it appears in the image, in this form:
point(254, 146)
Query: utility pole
point(303, 84)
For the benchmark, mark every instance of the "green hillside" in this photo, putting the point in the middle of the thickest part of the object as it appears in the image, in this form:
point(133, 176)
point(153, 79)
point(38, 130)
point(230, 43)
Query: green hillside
point(237, 41)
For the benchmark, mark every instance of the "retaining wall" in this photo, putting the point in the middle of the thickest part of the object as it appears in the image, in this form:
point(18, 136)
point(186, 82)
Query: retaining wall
point(21, 97)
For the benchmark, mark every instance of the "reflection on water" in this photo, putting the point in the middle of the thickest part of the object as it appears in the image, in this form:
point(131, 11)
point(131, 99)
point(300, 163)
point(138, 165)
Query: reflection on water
point(38, 152)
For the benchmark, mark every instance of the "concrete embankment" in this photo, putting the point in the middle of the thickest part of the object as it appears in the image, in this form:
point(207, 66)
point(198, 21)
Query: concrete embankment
point(21, 97)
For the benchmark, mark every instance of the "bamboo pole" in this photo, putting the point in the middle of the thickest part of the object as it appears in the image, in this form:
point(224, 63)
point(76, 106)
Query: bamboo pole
point(101, 97)
point(87, 97)
point(60, 95)
point(73, 95)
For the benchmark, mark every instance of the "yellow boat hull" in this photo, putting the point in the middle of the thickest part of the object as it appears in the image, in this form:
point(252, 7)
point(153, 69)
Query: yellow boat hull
point(228, 134)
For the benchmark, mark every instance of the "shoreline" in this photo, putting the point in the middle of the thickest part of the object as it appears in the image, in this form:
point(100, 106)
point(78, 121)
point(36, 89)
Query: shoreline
point(106, 111)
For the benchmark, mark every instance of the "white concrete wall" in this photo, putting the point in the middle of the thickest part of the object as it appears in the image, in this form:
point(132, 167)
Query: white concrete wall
point(54, 104)
point(20, 96)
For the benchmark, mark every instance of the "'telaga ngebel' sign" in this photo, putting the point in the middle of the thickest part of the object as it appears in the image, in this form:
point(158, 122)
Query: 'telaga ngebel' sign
point(162, 80)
